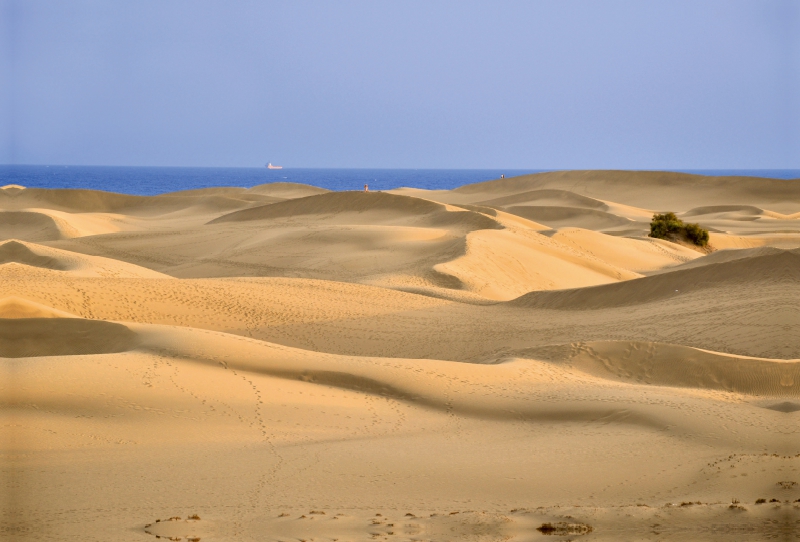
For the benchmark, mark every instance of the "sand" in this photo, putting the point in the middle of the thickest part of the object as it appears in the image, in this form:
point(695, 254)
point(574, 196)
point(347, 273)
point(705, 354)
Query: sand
point(511, 360)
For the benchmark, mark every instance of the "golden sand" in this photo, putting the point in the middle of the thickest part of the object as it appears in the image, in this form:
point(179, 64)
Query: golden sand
point(288, 363)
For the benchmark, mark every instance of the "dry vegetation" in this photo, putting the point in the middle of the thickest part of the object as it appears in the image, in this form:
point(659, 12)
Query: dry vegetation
point(670, 227)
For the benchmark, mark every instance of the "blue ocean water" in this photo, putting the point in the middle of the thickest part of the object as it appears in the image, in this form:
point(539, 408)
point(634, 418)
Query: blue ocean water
point(158, 180)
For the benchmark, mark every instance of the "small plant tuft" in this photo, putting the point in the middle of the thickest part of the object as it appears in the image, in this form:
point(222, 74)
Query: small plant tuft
point(735, 505)
point(562, 528)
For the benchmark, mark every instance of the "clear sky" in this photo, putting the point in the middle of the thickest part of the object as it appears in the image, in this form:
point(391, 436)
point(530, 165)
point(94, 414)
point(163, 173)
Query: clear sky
point(415, 84)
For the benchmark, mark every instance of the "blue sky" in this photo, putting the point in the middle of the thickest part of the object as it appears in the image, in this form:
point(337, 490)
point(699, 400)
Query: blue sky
point(420, 84)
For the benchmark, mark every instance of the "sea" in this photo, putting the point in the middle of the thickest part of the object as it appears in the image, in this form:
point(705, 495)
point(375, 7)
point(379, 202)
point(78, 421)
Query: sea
point(148, 181)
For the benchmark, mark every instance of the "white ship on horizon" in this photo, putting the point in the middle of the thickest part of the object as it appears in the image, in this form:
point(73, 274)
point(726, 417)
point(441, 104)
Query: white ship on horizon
point(270, 166)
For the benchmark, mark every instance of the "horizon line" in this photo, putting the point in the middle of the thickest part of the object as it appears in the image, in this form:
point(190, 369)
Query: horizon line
point(533, 169)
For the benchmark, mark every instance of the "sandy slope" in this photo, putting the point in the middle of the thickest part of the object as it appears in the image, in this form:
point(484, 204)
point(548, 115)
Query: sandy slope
point(288, 363)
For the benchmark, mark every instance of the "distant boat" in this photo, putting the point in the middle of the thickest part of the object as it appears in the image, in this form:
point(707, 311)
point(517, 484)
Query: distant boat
point(270, 166)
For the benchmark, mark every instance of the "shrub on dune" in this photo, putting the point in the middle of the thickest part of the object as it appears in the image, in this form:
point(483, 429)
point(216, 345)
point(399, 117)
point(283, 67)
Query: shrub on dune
point(696, 234)
point(670, 227)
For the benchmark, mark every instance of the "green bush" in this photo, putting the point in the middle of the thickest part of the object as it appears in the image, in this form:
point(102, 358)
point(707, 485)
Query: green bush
point(670, 227)
point(696, 234)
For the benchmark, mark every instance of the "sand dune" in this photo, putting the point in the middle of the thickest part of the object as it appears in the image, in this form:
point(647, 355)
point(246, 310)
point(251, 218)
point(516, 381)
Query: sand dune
point(638, 255)
point(270, 411)
point(286, 190)
point(32, 337)
point(727, 255)
point(758, 320)
point(15, 307)
point(739, 212)
point(95, 201)
point(504, 264)
point(373, 238)
point(39, 225)
point(17, 252)
point(370, 207)
point(773, 267)
point(396, 378)
point(334, 203)
point(626, 194)
point(557, 217)
point(731, 241)
point(74, 264)
point(508, 360)
point(649, 189)
point(28, 225)
point(679, 366)
point(556, 198)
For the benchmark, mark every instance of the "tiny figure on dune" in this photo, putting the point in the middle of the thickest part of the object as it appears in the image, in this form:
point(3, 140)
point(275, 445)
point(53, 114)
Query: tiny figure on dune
point(366, 188)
